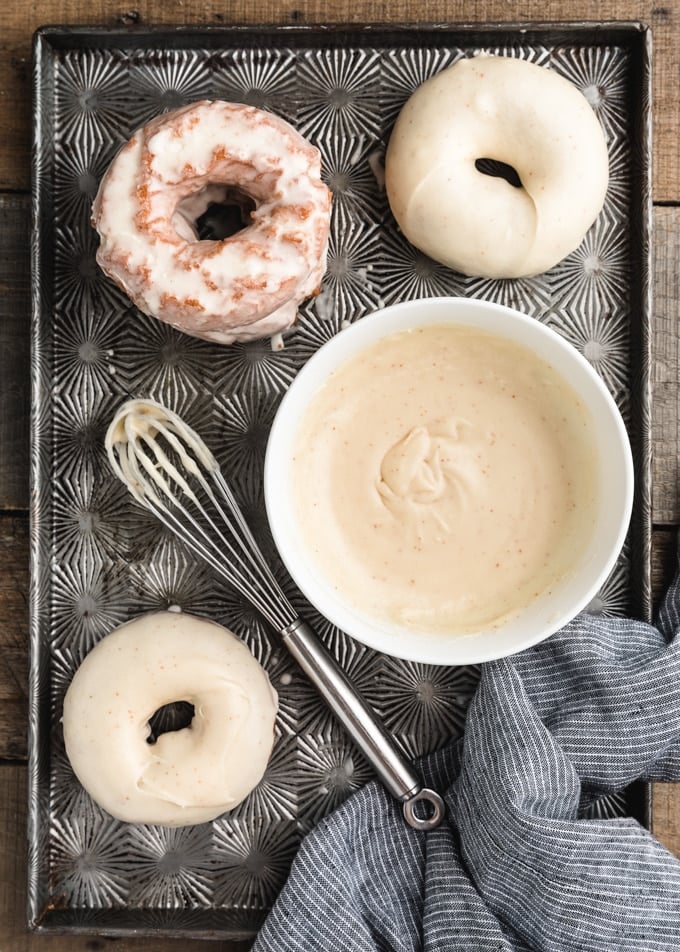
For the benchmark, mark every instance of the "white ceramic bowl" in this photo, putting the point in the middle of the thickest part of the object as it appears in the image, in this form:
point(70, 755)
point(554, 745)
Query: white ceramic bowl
point(548, 612)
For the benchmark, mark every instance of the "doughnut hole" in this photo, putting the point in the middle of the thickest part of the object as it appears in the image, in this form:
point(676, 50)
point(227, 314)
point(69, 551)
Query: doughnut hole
point(171, 717)
point(214, 213)
point(497, 169)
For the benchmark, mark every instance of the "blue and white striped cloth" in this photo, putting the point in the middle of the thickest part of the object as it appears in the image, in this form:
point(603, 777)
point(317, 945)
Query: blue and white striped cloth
point(516, 866)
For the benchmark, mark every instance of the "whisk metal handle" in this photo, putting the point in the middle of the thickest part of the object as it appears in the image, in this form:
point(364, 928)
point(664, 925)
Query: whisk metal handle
point(363, 727)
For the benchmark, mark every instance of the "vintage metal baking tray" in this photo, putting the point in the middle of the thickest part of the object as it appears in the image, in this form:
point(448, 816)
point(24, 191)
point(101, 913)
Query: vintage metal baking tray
point(97, 560)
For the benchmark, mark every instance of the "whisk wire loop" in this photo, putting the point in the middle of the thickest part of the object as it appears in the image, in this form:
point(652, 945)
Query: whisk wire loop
point(225, 561)
point(173, 474)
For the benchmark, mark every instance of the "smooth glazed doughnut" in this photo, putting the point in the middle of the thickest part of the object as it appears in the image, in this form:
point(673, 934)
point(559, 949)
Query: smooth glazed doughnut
point(187, 776)
point(249, 284)
point(513, 112)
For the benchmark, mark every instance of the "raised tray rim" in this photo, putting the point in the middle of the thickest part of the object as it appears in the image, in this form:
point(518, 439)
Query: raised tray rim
point(52, 37)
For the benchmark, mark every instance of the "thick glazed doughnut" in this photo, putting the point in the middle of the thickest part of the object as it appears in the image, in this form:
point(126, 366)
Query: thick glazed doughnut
point(247, 285)
point(187, 776)
point(510, 111)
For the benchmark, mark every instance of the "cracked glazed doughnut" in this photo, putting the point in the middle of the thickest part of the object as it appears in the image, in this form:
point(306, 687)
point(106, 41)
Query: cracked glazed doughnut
point(247, 285)
point(187, 776)
point(512, 112)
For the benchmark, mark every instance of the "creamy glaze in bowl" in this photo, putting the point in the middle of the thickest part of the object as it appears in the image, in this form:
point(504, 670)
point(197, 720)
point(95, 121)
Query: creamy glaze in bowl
point(406, 629)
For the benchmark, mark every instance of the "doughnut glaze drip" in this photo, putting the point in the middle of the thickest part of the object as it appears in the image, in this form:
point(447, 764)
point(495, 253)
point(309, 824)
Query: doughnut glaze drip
point(509, 111)
point(245, 286)
point(187, 776)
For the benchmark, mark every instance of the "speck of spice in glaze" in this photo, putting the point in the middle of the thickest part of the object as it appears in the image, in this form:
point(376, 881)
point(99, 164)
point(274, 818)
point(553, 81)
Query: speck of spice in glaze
point(444, 478)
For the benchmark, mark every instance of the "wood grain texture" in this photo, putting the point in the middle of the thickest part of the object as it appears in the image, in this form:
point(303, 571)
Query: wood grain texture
point(18, 21)
point(666, 815)
point(664, 562)
point(13, 636)
point(666, 369)
point(15, 312)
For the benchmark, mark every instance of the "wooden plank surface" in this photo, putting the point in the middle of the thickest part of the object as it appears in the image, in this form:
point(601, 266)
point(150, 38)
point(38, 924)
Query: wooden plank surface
point(667, 816)
point(17, 22)
point(666, 370)
point(13, 636)
point(14, 347)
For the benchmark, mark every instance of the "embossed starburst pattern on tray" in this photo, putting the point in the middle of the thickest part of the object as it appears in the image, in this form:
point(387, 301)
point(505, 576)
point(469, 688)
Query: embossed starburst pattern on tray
point(101, 560)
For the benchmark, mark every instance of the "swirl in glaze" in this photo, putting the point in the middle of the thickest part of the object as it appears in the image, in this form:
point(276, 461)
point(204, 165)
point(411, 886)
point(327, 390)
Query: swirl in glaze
point(454, 474)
